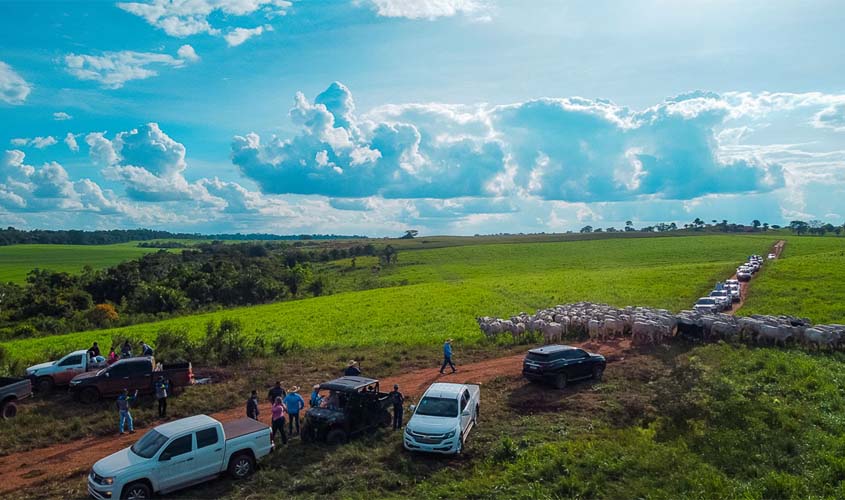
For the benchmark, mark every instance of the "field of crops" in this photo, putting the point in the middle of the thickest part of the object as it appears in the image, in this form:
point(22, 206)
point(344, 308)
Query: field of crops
point(438, 293)
point(807, 281)
point(16, 261)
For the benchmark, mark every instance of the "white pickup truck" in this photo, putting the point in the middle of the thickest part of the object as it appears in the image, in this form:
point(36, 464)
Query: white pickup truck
point(443, 418)
point(51, 374)
point(178, 454)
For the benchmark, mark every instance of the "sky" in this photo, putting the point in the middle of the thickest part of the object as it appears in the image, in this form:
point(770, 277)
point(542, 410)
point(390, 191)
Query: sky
point(445, 116)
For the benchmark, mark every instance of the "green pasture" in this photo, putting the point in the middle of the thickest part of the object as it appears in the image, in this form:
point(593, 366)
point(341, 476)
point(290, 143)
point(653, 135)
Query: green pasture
point(439, 292)
point(16, 261)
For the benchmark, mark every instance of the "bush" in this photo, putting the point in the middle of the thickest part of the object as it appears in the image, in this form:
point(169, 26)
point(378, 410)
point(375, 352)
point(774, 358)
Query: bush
point(102, 315)
point(225, 343)
point(174, 344)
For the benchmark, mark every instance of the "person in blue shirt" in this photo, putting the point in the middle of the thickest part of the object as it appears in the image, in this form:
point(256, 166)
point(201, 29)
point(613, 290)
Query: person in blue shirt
point(447, 356)
point(352, 369)
point(123, 403)
point(294, 403)
point(315, 397)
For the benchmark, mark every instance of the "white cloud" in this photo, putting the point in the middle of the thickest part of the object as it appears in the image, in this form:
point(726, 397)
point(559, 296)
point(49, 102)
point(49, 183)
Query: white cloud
point(114, 69)
point(428, 9)
point(832, 117)
point(239, 35)
point(13, 88)
point(181, 18)
point(61, 116)
point(37, 142)
point(70, 141)
point(100, 149)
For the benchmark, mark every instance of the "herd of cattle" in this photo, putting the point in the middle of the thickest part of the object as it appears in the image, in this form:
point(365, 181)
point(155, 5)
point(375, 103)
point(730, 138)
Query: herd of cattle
point(654, 326)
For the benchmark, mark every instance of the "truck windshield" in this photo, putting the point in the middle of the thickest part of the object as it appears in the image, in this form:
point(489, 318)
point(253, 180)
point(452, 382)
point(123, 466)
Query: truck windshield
point(148, 445)
point(438, 407)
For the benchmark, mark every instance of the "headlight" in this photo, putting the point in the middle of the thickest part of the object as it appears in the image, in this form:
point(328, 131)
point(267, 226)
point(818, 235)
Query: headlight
point(449, 434)
point(74, 382)
point(108, 480)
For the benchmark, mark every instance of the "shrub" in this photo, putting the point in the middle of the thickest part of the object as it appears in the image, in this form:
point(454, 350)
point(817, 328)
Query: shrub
point(174, 344)
point(102, 314)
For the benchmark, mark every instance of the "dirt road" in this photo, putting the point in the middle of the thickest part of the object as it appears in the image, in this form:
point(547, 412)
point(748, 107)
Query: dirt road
point(777, 249)
point(70, 461)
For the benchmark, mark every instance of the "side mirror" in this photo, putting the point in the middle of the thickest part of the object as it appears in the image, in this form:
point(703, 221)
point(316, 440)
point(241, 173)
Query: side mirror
point(466, 413)
point(412, 408)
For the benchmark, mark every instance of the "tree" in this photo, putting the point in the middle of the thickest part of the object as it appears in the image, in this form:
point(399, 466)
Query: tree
point(755, 224)
point(799, 227)
point(629, 226)
point(102, 314)
point(587, 229)
point(409, 234)
point(765, 226)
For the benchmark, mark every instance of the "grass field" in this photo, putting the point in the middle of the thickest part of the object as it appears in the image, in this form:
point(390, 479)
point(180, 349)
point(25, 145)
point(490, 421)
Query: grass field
point(807, 281)
point(16, 261)
point(437, 293)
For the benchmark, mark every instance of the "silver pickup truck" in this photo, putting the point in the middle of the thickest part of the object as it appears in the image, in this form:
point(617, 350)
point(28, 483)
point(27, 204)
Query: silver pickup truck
point(13, 390)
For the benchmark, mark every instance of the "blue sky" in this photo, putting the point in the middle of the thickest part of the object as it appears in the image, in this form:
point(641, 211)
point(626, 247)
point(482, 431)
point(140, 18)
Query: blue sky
point(448, 116)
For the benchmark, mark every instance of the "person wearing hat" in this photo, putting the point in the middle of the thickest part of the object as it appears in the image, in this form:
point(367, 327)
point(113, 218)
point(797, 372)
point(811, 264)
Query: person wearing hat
point(397, 398)
point(252, 406)
point(294, 404)
point(352, 369)
point(447, 356)
point(315, 400)
point(162, 390)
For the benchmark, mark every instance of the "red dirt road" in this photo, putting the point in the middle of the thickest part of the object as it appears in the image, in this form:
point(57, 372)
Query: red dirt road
point(777, 249)
point(70, 461)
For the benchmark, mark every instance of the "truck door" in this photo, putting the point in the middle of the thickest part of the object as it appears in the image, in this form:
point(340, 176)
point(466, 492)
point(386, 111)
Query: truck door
point(208, 457)
point(581, 363)
point(115, 379)
point(466, 411)
point(176, 463)
point(67, 368)
point(140, 375)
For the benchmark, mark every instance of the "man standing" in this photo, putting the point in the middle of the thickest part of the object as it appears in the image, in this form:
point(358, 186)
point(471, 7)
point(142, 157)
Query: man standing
point(252, 406)
point(294, 403)
point(352, 369)
point(277, 391)
point(397, 398)
point(123, 402)
point(162, 390)
point(447, 356)
point(146, 350)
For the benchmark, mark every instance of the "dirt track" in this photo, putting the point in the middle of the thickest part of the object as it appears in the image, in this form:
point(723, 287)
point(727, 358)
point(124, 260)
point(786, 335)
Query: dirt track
point(777, 249)
point(72, 460)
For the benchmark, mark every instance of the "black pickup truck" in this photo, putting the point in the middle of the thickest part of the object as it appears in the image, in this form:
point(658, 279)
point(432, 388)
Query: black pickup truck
point(13, 390)
point(560, 364)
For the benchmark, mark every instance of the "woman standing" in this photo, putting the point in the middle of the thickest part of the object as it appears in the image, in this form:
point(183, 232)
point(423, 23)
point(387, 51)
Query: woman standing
point(277, 415)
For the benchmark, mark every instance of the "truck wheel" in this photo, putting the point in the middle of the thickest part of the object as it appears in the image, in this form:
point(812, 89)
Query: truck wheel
point(475, 418)
point(241, 466)
point(386, 419)
point(306, 435)
point(44, 385)
point(10, 409)
point(89, 395)
point(336, 436)
point(560, 381)
point(136, 491)
point(598, 371)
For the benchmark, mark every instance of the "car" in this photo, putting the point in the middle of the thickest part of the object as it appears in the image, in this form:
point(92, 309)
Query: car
point(561, 364)
point(13, 390)
point(178, 454)
point(707, 305)
point(743, 275)
point(353, 405)
point(734, 290)
point(442, 420)
point(771, 256)
point(46, 376)
point(732, 282)
point(723, 298)
point(132, 374)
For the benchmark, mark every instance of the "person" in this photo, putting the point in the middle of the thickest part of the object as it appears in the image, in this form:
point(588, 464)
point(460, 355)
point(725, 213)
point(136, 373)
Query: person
point(333, 401)
point(294, 403)
point(162, 390)
point(146, 350)
point(447, 356)
point(94, 351)
point(126, 350)
point(112, 356)
point(398, 399)
point(352, 369)
point(123, 402)
point(277, 415)
point(277, 391)
point(252, 406)
point(316, 400)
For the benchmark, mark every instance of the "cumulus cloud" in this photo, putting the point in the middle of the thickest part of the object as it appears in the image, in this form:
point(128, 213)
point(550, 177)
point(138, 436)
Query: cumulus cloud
point(427, 9)
point(13, 88)
point(238, 36)
point(181, 18)
point(61, 116)
point(113, 69)
point(70, 141)
point(37, 142)
point(832, 117)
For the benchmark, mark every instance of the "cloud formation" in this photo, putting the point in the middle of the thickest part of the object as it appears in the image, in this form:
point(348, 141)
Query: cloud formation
point(13, 88)
point(427, 9)
point(37, 142)
point(61, 116)
point(70, 141)
point(182, 18)
point(113, 69)
point(238, 36)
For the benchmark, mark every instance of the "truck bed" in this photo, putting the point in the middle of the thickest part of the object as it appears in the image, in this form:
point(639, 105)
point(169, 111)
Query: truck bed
point(242, 427)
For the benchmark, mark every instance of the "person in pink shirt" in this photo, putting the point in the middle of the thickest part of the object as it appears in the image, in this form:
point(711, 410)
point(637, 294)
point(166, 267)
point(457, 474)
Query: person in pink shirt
point(277, 415)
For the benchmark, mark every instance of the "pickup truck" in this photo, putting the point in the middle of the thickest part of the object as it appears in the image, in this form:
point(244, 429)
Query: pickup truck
point(130, 373)
point(51, 374)
point(561, 364)
point(13, 390)
point(443, 418)
point(179, 454)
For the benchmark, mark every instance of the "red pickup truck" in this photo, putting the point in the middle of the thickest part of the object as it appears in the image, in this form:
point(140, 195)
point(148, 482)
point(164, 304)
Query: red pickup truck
point(131, 373)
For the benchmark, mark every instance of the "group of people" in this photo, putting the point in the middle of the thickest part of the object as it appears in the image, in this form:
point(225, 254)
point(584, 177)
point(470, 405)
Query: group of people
point(125, 352)
point(161, 389)
point(284, 406)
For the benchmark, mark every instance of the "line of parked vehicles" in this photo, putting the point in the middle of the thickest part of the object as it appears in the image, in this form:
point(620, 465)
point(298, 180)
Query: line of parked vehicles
point(725, 293)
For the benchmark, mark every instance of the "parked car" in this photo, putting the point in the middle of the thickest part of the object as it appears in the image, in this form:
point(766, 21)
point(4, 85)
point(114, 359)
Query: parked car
point(561, 364)
point(734, 290)
point(13, 390)
point(443, 418)
point(723, 298)
point(707, 305)
point(771, 256)
point(51, 374)
point(353, 405)
point(178, 454)
point(130, 373)
point(743, 275)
